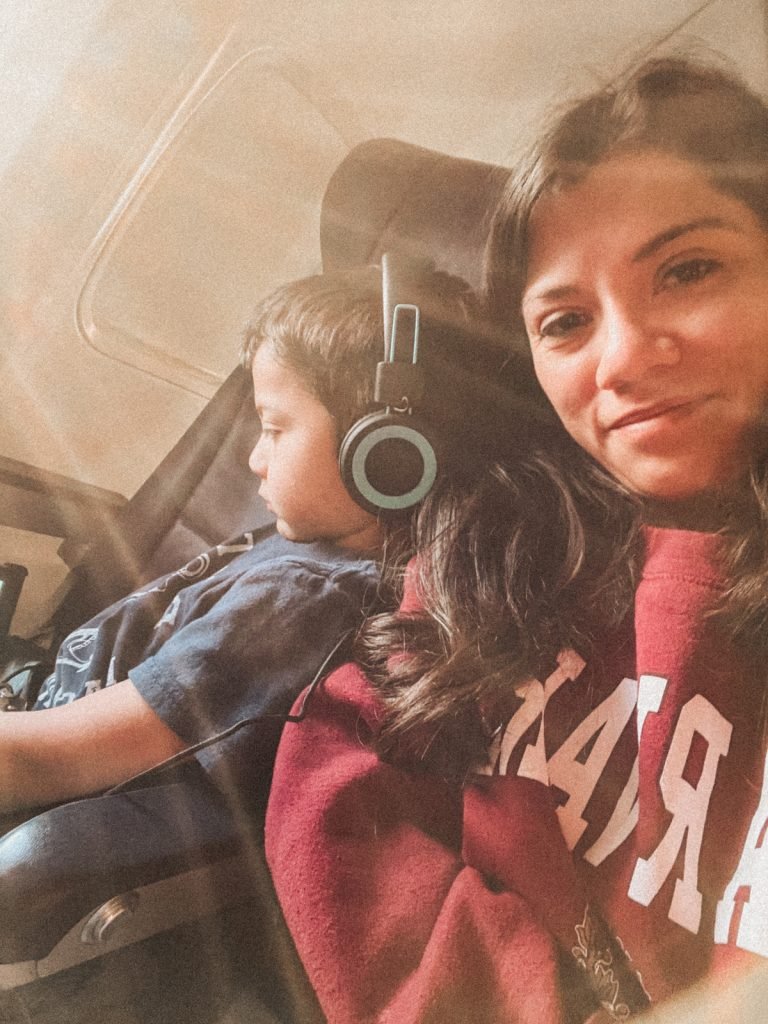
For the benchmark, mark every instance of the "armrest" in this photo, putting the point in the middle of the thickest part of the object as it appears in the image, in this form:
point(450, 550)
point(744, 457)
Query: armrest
point(87, 878)
point(61, 865)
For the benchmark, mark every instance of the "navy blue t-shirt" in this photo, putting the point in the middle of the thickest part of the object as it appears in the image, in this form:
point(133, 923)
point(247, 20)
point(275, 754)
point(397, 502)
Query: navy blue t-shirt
point(238, 632)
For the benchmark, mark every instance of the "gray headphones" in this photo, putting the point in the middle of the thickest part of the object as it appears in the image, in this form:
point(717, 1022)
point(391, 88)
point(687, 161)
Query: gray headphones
point(389, 458)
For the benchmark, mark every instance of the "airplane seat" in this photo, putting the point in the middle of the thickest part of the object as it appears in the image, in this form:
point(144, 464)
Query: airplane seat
point(102, 890)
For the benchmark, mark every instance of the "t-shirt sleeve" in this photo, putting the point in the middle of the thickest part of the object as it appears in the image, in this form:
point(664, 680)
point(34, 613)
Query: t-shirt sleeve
point(255, 648)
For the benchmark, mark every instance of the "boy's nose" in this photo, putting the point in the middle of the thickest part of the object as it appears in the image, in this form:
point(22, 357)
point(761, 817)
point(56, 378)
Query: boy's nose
point(256, 462)
point(630, 348)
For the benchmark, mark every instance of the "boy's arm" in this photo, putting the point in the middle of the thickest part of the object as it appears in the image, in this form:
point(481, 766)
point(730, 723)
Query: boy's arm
point(75, 749)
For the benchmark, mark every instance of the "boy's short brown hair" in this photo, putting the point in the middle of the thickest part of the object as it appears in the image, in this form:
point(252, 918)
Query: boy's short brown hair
point(329, 329)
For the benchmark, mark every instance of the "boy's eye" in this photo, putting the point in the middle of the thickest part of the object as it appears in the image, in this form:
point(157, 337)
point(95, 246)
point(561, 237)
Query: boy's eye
point(561, 325)
point(269, 433)
point(688, 271)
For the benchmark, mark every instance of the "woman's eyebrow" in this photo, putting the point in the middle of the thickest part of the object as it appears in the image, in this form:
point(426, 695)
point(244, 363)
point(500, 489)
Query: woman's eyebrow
point(670, 234)
point(565, 291)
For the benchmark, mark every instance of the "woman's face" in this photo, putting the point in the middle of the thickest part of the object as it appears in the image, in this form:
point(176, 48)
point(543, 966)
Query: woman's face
point(646, 305)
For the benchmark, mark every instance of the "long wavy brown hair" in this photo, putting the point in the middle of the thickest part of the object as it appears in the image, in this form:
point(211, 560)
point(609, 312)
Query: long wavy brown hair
point(539, 549)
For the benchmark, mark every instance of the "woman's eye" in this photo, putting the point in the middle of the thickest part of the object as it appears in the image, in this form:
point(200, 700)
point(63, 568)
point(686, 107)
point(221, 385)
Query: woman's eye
point(689, 271)
point(561, 325)
point(269, 433)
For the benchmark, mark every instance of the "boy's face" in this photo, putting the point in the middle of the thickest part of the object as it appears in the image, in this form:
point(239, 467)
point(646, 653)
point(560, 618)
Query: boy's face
point(296, 458)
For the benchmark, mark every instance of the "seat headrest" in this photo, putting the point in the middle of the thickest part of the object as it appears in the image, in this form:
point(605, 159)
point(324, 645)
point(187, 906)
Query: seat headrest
point(388, 195)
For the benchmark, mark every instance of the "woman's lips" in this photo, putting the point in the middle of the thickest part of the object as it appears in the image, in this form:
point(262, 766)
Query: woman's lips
point(658, 411)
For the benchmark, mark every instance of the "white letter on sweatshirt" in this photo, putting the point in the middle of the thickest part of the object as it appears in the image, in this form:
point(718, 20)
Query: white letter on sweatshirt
point(604, 724)
point(742, 913)
point(624, 818)
point(536, 695)
point(688, 806)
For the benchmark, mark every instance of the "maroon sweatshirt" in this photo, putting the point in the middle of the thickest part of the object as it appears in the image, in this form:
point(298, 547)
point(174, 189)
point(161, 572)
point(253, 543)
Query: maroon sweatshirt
point(609, 851)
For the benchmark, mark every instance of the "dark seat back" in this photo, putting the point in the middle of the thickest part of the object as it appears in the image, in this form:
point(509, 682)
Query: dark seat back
point(389, 195)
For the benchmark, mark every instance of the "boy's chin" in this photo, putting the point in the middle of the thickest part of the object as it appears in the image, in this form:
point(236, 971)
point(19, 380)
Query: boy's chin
point(290, 533)
point(285, 530)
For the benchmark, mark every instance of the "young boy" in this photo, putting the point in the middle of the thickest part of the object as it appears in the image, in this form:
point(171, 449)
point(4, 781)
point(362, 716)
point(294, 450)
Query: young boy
point(241, 630)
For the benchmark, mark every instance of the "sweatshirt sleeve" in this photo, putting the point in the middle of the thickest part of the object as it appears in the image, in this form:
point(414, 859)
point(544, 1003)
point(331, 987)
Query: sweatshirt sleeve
point(391, 925)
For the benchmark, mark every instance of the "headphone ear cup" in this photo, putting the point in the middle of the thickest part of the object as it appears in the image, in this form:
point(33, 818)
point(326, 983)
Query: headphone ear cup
point(388, 462)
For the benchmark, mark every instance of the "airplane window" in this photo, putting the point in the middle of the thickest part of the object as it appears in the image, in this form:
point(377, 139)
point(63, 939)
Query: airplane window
point(218, 213)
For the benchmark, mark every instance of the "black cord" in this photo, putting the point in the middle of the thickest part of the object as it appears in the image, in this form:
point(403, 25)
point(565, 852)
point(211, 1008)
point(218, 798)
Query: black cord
point(188, 753)
point(17, 672)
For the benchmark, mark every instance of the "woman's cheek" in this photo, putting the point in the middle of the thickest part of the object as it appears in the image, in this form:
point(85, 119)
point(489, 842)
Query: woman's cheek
point(552, 383)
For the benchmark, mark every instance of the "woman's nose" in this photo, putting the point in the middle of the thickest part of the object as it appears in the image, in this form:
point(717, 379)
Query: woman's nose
point(631, 347)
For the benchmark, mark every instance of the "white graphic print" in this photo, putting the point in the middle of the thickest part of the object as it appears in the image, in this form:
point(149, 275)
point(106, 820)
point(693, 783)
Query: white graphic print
point(169, 615)
point(534, 762)
point(196, 568)
point(76, 650)
point(742, 913)
point(650, 691)
point(580, 762)
point(688, 806)
point(578, 779)
point(111, 673)
point(622, 821)
point(242, 544)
